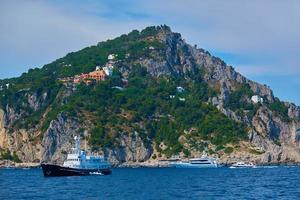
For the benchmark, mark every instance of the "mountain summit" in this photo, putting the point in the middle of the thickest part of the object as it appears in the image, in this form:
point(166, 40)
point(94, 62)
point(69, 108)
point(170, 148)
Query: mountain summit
point(142, 97)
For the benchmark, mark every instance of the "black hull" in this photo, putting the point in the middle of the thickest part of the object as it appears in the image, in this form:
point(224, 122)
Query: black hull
point(50, 170)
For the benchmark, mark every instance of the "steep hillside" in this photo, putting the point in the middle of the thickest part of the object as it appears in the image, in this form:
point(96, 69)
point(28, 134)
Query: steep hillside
point(164, 97)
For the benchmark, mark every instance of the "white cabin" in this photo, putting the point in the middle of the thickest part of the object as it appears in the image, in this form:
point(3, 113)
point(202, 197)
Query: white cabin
point(78, 159)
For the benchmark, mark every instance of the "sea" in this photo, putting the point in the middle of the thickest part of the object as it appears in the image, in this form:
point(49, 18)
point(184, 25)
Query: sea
point(155, 183)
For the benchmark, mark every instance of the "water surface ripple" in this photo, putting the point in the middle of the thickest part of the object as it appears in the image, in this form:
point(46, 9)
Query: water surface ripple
point(155, 183)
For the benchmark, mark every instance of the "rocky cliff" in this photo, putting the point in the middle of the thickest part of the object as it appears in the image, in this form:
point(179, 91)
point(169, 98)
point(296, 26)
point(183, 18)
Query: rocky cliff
point(36, 124)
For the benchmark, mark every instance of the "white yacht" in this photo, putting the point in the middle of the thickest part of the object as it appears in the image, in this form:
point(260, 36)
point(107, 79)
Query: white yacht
point(203, 162)
point(243, 165)
point(78, 164)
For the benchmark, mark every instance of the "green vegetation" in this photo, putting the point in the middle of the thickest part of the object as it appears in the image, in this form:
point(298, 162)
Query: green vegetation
point(220, 129)
point(15, 158)
point(257, 152)
point(228, 150)
point(186, 152)
point(238, 101)
point(100, 137)
point(147, 101)
point(280, 109)
point(6, 155)
point(236, 98)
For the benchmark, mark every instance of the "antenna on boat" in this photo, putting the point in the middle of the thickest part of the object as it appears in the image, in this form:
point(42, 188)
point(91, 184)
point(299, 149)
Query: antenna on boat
point(77, 144)
point(85, 144)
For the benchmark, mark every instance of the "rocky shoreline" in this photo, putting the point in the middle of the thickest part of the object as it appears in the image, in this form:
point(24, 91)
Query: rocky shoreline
point(10, 164)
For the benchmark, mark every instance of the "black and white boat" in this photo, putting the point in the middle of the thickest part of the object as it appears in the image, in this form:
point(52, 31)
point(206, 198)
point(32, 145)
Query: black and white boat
point(78, 164)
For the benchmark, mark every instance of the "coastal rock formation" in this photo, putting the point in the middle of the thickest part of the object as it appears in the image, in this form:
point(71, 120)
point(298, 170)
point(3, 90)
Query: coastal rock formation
point(58, 137)
point(36, 124)
point(131, 150)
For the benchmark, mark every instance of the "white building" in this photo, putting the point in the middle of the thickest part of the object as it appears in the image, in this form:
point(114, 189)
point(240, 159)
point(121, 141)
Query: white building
point(111, 57)
point(180, 89)
point(257, 99)
point(108, 70)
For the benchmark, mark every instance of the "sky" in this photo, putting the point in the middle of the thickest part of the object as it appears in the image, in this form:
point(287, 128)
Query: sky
point(259, 38)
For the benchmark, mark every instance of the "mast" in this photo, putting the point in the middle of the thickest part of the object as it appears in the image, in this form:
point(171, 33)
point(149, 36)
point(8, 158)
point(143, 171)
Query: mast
point(85, 144)
point(77, 145)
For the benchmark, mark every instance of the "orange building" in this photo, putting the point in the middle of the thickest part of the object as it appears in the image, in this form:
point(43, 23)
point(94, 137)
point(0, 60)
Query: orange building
point(95, 76)
point(98, 75)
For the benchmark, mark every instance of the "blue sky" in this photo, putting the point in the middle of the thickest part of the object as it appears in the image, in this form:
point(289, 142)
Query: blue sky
point(260, 39)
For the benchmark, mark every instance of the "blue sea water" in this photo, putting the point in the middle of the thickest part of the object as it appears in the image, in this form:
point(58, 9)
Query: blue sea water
point(155, 183)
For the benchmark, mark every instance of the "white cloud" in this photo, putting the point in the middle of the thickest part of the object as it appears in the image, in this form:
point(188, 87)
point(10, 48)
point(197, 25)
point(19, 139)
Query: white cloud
point(34, 33)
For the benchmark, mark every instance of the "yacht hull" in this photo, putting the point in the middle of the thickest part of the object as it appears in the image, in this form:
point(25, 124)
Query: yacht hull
point(188, 165)
point(242, 167)
point(50, 170)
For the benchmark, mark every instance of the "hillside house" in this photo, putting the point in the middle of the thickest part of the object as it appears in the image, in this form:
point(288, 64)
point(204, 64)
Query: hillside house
point(257, 99)
point(111, 57)
point(97, 75)
point(108, 70)
point(179, 89)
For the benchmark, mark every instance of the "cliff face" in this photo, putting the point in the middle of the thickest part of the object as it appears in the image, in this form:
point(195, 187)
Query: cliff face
point(57, 138)
point(272, 137)
point(25, 143)
point(131, 151)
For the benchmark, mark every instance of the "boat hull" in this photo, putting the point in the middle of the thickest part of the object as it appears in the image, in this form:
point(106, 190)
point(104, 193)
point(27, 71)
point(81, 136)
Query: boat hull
point(242, 167)
point(188, 165)
point(50, 170)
